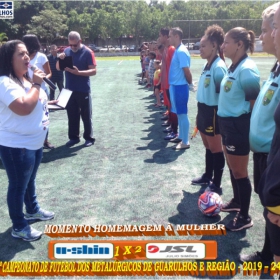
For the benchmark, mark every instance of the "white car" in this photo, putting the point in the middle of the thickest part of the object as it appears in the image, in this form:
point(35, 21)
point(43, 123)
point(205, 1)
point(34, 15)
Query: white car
point(189, 46)
point(108, 48)
point(117, 49)
point(196, 46)
point(258, 46)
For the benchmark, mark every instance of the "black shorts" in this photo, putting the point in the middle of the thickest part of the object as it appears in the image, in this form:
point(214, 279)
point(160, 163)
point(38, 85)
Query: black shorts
point(260, 164)
point(158, 87)
point(207, 119)
point(235, 134)
point(273, 233)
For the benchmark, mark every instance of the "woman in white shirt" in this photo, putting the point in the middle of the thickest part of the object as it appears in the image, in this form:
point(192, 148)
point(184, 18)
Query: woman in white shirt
point(41, 61)
point(23, 127)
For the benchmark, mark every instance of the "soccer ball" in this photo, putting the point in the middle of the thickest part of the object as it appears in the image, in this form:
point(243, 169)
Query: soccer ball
point(210, 203)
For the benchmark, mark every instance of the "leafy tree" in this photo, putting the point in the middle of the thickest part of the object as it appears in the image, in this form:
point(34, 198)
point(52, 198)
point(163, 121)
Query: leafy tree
point(81, 23)
point(3, 37)
point(112, 19)
point(139, 20)
point(48, 25)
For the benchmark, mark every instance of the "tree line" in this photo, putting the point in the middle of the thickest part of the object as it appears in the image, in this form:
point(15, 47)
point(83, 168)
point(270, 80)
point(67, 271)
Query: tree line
point(97, 20)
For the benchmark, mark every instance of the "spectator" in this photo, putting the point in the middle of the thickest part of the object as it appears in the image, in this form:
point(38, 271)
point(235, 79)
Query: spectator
point(40, 61)
point(157, 78)
point(146, 64)
point(151, 69)
point(57, 76)
point(143, 71)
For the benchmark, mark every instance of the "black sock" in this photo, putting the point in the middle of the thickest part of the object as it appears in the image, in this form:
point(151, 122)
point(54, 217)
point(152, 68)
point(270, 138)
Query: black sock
point(235, 188)
point(266, 251)
point(219, 164)
point(245, 190)
point(209, 164)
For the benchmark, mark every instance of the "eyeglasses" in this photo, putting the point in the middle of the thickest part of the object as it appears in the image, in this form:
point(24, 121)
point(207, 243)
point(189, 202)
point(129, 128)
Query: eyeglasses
point(75, 46)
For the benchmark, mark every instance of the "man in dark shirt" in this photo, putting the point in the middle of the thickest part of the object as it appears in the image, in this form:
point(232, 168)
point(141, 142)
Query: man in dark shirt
point(78, 81)
point(57, 76)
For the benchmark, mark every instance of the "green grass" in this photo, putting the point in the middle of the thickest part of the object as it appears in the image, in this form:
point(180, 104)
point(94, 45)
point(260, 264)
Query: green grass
point(113, 58)
point(131, 175)
point(193, 55)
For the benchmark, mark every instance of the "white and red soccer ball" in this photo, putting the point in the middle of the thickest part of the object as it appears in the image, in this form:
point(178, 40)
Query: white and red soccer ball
point(210, 203)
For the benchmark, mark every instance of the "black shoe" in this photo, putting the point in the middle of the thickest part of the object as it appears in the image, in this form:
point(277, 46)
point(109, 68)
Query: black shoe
point(166, 123)
point(167, 129)
point(48, 145)
point(203, 180)
point(212, 188)
point(230, 206)
point(164, 118)
point(175, 140)
point(239, 223)
point(255, 258)
point(72, 142)
point(88, 143)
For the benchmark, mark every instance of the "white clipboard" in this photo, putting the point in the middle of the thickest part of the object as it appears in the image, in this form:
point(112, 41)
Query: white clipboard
point(62, 98)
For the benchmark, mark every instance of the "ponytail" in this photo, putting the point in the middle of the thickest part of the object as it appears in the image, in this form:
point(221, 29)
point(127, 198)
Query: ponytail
point(251, 41)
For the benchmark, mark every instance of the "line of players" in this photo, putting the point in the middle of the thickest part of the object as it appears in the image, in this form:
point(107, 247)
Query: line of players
point(235, 115)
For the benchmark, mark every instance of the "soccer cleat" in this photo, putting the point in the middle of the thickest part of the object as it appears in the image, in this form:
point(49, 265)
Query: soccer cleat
point(239, 223)
point(203, 180)
point(255, 258)
point(230, 206)
point(176, 139)
point(164, 118)
point(168, 129)
point(212, 188)
point(42, 215)
point(27, 234)
point(165, 123)
point(170, 136)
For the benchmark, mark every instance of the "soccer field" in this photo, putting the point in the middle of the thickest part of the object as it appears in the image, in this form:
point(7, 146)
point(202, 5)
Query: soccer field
point(131, 175)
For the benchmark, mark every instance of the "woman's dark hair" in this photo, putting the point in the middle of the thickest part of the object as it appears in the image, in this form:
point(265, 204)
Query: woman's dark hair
point(7, 51)
point(216, 34)
point(244, 35)
point(32, 43)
